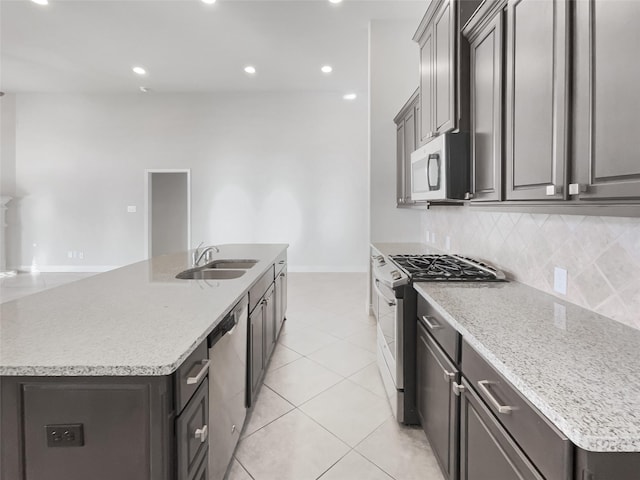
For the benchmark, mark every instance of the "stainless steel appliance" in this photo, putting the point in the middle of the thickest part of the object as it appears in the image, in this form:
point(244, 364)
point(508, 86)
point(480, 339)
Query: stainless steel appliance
point(394, 304)
point(440, 169)
point(227, 383)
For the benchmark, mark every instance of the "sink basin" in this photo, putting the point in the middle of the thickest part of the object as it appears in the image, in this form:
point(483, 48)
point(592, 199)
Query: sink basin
point(242, 264)
point(209, 274)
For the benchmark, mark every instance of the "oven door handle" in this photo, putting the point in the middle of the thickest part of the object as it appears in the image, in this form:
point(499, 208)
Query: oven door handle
point(391, 303)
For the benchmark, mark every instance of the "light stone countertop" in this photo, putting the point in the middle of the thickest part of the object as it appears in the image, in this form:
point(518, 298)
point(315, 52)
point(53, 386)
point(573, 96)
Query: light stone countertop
point(580, 369)
point(136, 320)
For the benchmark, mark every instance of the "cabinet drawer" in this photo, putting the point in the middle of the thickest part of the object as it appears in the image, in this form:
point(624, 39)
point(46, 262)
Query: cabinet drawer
point(447, 337)
point(190, 375)
point(545, 445)
point(260, 287)
point(192, 434)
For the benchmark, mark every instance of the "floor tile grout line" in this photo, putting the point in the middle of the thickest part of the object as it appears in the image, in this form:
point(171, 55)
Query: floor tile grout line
point(243, 467)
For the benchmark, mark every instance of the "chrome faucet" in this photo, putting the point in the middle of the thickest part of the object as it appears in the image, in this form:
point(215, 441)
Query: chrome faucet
point(206, 253)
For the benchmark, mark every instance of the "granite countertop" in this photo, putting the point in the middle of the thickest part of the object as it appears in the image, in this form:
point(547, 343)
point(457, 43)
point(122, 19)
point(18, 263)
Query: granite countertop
point(137, 320)
point(580, 369)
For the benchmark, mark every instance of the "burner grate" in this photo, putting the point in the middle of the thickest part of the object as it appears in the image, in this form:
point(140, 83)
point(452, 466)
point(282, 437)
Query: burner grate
point(444, 268)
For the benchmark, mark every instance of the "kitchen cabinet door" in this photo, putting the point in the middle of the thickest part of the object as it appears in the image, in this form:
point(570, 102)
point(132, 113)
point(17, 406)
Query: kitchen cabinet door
point(444, 61)
point(256, 352)
point(486, 110)
point(427, 123)
point(487, 452)
point(438, 407)
point(409, 147)
point(536, 99)
point(607, 101)
point(400, 165)
point(192, 434)
point(269, 319)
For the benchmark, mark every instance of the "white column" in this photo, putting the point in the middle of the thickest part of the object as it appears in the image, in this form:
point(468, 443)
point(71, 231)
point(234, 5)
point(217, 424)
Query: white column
point(4, 199)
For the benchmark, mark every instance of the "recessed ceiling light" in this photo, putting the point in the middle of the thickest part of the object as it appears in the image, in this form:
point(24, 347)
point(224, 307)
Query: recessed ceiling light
point(139, 70)
point(209, 2)
point(41, 2)
point(327, 69)
point(250, 70)
point(350, 96)
point(335, 1)
point(145, 89)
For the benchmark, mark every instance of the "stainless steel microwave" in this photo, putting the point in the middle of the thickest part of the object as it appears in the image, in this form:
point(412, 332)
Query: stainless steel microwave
point(440, 169)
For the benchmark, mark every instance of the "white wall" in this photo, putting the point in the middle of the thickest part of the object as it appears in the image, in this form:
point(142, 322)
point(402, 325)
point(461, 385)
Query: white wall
point(394, 73)
point(7, 144)
point(265, 168)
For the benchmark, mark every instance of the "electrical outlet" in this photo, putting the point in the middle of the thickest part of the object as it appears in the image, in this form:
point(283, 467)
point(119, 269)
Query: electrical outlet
point(66, 435)
point(560, 280)
point(132, 209)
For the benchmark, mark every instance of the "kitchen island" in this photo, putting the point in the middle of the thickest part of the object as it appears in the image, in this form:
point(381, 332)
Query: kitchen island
point(108, 366)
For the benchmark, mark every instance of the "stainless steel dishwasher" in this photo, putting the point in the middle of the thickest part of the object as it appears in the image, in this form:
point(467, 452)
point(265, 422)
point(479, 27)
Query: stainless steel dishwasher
point(227, 382)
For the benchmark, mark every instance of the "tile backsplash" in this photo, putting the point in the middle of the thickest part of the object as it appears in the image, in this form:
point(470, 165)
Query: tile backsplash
point(600, 254)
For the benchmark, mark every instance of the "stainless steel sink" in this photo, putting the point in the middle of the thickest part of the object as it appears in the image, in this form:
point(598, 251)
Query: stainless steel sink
point(241, 264)
point(209, 274)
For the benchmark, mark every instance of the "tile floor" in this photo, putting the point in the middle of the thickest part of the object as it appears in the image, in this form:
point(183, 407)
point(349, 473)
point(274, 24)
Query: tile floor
point(322, 411)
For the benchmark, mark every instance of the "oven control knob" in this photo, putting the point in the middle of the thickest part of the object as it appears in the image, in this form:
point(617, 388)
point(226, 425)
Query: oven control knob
point(395, 275)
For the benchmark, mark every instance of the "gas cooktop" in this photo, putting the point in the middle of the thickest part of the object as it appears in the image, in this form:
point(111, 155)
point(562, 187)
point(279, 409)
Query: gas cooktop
point(446, 268)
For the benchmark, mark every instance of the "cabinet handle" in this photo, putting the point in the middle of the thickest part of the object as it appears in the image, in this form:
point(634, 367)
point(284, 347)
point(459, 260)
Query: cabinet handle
point(194, 379)
point(201, 433)
point(448, 376)
point(553, 190)
point(484, 386)
point(282, 275)
point(577, 188)
point(457, 388)
point(433, 326)
point(281, 262)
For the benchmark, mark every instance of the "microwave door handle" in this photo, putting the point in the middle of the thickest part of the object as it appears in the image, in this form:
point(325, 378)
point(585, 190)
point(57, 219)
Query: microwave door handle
point(434, 157)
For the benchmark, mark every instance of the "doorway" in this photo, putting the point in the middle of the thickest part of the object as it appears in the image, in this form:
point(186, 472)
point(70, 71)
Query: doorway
point(168, 211)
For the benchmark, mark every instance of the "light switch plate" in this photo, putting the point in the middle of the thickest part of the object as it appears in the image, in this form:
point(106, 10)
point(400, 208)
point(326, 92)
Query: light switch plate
point(132, 209)
point(560, 280)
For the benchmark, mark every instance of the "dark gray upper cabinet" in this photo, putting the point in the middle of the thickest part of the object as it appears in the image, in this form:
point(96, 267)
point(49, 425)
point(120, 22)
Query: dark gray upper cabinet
point(400, 163)
point(427, 124)
point(407, 141)
point(444, 61)
point(486, 57)
point(606, 102)
point(537, 99)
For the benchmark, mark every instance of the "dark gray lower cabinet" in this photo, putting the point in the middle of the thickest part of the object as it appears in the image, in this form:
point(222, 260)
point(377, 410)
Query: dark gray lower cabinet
point(192, 434)
point(123, 428)
point(487, 452)
point(438, 407)
point(269, 319)
point(281, 298)
point(255, 352)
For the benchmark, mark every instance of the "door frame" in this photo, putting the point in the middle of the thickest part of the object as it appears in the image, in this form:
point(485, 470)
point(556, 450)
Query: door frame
point(147, 204)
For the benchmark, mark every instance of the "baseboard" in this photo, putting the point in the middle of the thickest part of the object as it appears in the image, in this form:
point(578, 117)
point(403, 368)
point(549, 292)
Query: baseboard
point(329, 269)
point(67, 268)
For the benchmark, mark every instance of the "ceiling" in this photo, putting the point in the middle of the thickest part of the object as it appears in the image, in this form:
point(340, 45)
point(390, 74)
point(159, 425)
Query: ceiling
point(188, 46)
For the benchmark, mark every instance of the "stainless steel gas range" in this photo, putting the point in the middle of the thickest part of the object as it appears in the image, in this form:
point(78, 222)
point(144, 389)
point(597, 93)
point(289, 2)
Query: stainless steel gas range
point(394, 306)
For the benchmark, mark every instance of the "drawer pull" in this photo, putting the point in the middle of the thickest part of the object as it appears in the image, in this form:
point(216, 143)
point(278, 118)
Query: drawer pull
point(448, 376)
point(484, 386)
point(195, 379)
point(201, 434)
point(431, 323)
point(457, 388)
